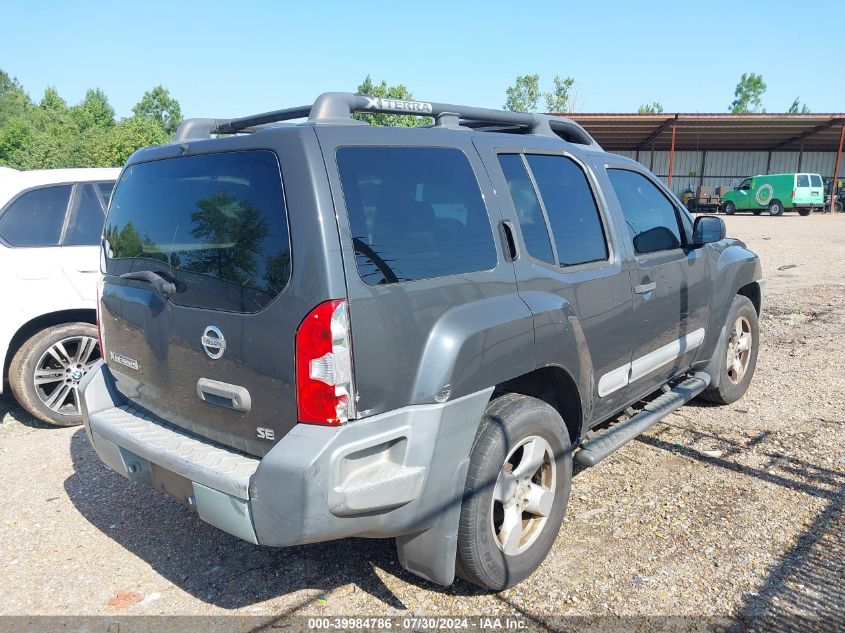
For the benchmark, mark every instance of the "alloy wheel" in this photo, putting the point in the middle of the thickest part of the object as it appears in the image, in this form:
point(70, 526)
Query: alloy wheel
point(523, 496)
point(739, 350)
point(59, 370)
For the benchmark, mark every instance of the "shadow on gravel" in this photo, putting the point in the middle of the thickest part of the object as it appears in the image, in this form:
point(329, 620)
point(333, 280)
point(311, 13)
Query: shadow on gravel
point(209, 564)
point(806, 590)
point(8, 406)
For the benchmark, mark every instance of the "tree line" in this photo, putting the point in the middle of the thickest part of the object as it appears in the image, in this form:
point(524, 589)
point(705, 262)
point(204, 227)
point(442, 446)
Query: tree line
point(49, 133)
point(525, 93)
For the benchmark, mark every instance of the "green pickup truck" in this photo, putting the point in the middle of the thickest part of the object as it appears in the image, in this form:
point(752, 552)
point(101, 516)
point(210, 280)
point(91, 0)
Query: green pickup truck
point(777, 193)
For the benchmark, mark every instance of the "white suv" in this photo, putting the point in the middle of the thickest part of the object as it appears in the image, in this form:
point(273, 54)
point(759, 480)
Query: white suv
point(51, 222)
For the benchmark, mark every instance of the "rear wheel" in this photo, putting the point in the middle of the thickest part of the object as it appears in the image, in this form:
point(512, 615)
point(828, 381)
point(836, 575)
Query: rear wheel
point(516, 492)
point(45, 372)
point(804, 211)
point(740, 358)
point(730, 208)
point(775, 207)
point(757, 211)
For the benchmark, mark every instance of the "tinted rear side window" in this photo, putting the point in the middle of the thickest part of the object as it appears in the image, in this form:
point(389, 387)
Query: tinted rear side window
point(531, 220)
point(816, 180)
point(85, 225)
point(572, 210)
point(415, 213)
point(803, 180)
point(36, 217)
point(216, 224)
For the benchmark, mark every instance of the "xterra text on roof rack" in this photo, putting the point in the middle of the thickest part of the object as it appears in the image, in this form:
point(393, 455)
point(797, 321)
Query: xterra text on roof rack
point(329, 329)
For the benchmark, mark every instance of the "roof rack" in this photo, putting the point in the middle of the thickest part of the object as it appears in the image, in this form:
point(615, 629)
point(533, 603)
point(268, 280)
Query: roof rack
point(333, 108)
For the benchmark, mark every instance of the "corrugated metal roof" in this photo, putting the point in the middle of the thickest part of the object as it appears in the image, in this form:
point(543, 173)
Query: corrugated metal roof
point(762, 132)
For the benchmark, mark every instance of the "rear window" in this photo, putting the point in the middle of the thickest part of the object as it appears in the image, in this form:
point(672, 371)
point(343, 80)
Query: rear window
point(415, 213)
point(802, 180)
point(215, 224)
point(815, 180)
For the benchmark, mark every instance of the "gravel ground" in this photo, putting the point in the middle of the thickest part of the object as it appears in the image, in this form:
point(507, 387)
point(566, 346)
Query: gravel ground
point(734, 511)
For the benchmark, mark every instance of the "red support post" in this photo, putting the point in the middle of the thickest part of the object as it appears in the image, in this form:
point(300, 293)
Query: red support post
point(836, 170)
point(672, 151)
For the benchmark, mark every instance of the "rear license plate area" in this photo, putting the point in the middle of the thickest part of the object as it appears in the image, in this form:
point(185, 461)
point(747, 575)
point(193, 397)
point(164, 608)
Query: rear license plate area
point(177, 486)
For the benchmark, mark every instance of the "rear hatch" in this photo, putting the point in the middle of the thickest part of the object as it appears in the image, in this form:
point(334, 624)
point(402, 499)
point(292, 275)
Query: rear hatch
point(196, 323)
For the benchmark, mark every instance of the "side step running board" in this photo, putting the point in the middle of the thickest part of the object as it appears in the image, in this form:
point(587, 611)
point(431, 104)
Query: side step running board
point(599, 447)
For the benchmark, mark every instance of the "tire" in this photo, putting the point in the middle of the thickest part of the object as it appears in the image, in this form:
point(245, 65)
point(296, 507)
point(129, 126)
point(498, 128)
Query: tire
point(730, 208)
point(757, 211)
point(838, 206)
point(734, 384)
point(804, 211)
point(775, 207)
point(56, 399)
point(514, 427)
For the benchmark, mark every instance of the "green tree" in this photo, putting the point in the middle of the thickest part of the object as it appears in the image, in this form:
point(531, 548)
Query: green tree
point(561, 98)
point(94, 110)
point(798, 108)
point(52, 102)
point(113, 146)
point(49, 134)
point(399, 91)
point(650, 108)
point(157, 104)
point(15, 128)
point(748, 94)
point(523, 95)
point(8, 84)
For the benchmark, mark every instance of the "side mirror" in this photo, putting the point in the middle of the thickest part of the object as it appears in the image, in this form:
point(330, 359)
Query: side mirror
point(707, 229)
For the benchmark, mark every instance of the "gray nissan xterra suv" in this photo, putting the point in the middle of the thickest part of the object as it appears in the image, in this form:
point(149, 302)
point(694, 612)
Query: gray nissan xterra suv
point(330, 329)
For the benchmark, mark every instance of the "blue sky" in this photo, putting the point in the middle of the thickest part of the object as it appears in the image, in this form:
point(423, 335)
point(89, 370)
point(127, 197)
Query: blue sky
point(225, 59)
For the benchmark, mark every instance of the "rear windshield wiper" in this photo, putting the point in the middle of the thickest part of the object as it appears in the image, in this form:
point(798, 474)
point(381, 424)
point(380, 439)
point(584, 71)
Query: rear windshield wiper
point(158, 280)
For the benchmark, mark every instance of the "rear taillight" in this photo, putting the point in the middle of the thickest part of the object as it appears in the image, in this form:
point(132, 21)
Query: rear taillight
point(325, 392)
point(793, 193)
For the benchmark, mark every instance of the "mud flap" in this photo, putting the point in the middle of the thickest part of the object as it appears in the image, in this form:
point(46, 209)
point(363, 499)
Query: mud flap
point(432, 552)
point(714, 365)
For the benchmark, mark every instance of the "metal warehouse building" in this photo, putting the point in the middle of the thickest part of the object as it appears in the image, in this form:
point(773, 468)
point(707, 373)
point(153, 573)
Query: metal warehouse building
point(689, 150)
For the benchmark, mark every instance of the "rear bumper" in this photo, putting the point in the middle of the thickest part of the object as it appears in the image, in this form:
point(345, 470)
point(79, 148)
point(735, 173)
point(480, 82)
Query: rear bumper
point(382, 476)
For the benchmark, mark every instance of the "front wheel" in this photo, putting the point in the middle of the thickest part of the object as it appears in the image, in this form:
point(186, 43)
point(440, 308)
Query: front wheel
point(740, 358)
point(730, 208)
point(516, 492)
point(45, 372)
point(775, 207)
point(758, 211)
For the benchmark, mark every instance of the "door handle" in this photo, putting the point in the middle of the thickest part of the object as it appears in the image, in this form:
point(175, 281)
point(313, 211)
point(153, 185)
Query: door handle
point(222, 394)
point(645, 288)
